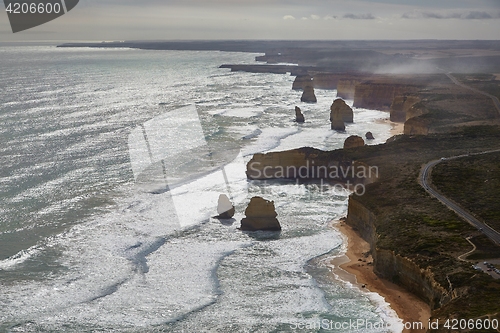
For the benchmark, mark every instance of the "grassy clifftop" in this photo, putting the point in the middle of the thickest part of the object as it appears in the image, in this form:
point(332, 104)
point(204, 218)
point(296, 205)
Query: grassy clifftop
point(474, 183)
point(413, 224)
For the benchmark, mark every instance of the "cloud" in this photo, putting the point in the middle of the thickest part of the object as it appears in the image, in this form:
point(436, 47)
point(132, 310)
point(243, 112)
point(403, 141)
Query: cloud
point(288, 17)
point(478, 16)
point(470, 15)
point(359, 16)
point(315, 17)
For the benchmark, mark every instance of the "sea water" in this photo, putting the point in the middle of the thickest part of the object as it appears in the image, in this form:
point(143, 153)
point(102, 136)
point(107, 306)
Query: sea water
point(84, 247)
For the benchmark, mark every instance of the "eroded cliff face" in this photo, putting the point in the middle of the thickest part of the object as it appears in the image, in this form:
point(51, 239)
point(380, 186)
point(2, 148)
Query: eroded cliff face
point(326, 81)
point(346, 88)
point(400, 107)
point(343, 82)
point(379, 96)
point(416, 110)
point(392, 266)
point(417, 126)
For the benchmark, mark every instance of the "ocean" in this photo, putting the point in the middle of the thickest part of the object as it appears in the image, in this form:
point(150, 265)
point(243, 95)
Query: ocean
point(111, 161)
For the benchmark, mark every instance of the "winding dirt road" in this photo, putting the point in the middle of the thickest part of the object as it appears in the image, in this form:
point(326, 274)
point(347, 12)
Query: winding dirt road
point(495, 100)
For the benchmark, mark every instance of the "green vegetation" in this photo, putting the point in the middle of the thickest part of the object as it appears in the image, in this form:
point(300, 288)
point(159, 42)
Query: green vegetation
point(483, 82)
point(484, 249)
point(474, 77)
point(474, 183)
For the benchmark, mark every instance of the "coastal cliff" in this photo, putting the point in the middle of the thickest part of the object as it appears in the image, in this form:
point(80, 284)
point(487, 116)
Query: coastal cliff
point(326, 81)
point(401, 106)
point(417, 126)
point(346, 88)
point(379, 96)
point(414, 241)
point(392, 266)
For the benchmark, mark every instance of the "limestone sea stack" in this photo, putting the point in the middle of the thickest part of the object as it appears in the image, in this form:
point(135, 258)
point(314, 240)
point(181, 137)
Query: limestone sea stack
point(339, 106)
point(354, 141)
point(337, 122)
point(301, 81)
point(299, 117)
point(225, 208)
point(260, 215)
point(369, 136)
point(308, 95)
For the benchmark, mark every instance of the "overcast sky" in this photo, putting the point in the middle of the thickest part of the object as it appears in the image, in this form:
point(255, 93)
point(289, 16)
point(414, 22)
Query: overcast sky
point(96, 20)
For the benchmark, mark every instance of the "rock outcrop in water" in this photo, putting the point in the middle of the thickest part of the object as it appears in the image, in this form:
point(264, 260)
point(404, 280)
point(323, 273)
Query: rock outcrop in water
point(337, 122)
point(369, 136)
point(354, 141)
point(301, 81)
point(340, 107)
point(299, 117)
point(308, 95)
point(260, 215)
point(225, 208)
point(340, 113)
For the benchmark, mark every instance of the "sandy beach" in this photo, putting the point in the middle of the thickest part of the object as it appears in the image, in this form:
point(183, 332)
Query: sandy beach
point(396, 128)
point(355, 267)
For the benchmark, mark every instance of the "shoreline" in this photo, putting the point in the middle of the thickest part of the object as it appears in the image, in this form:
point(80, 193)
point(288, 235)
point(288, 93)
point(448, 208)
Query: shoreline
point(354, 267)
point(396, 128)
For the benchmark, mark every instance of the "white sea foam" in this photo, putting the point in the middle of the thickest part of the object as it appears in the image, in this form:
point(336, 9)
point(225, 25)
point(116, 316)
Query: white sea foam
point(244, 112)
